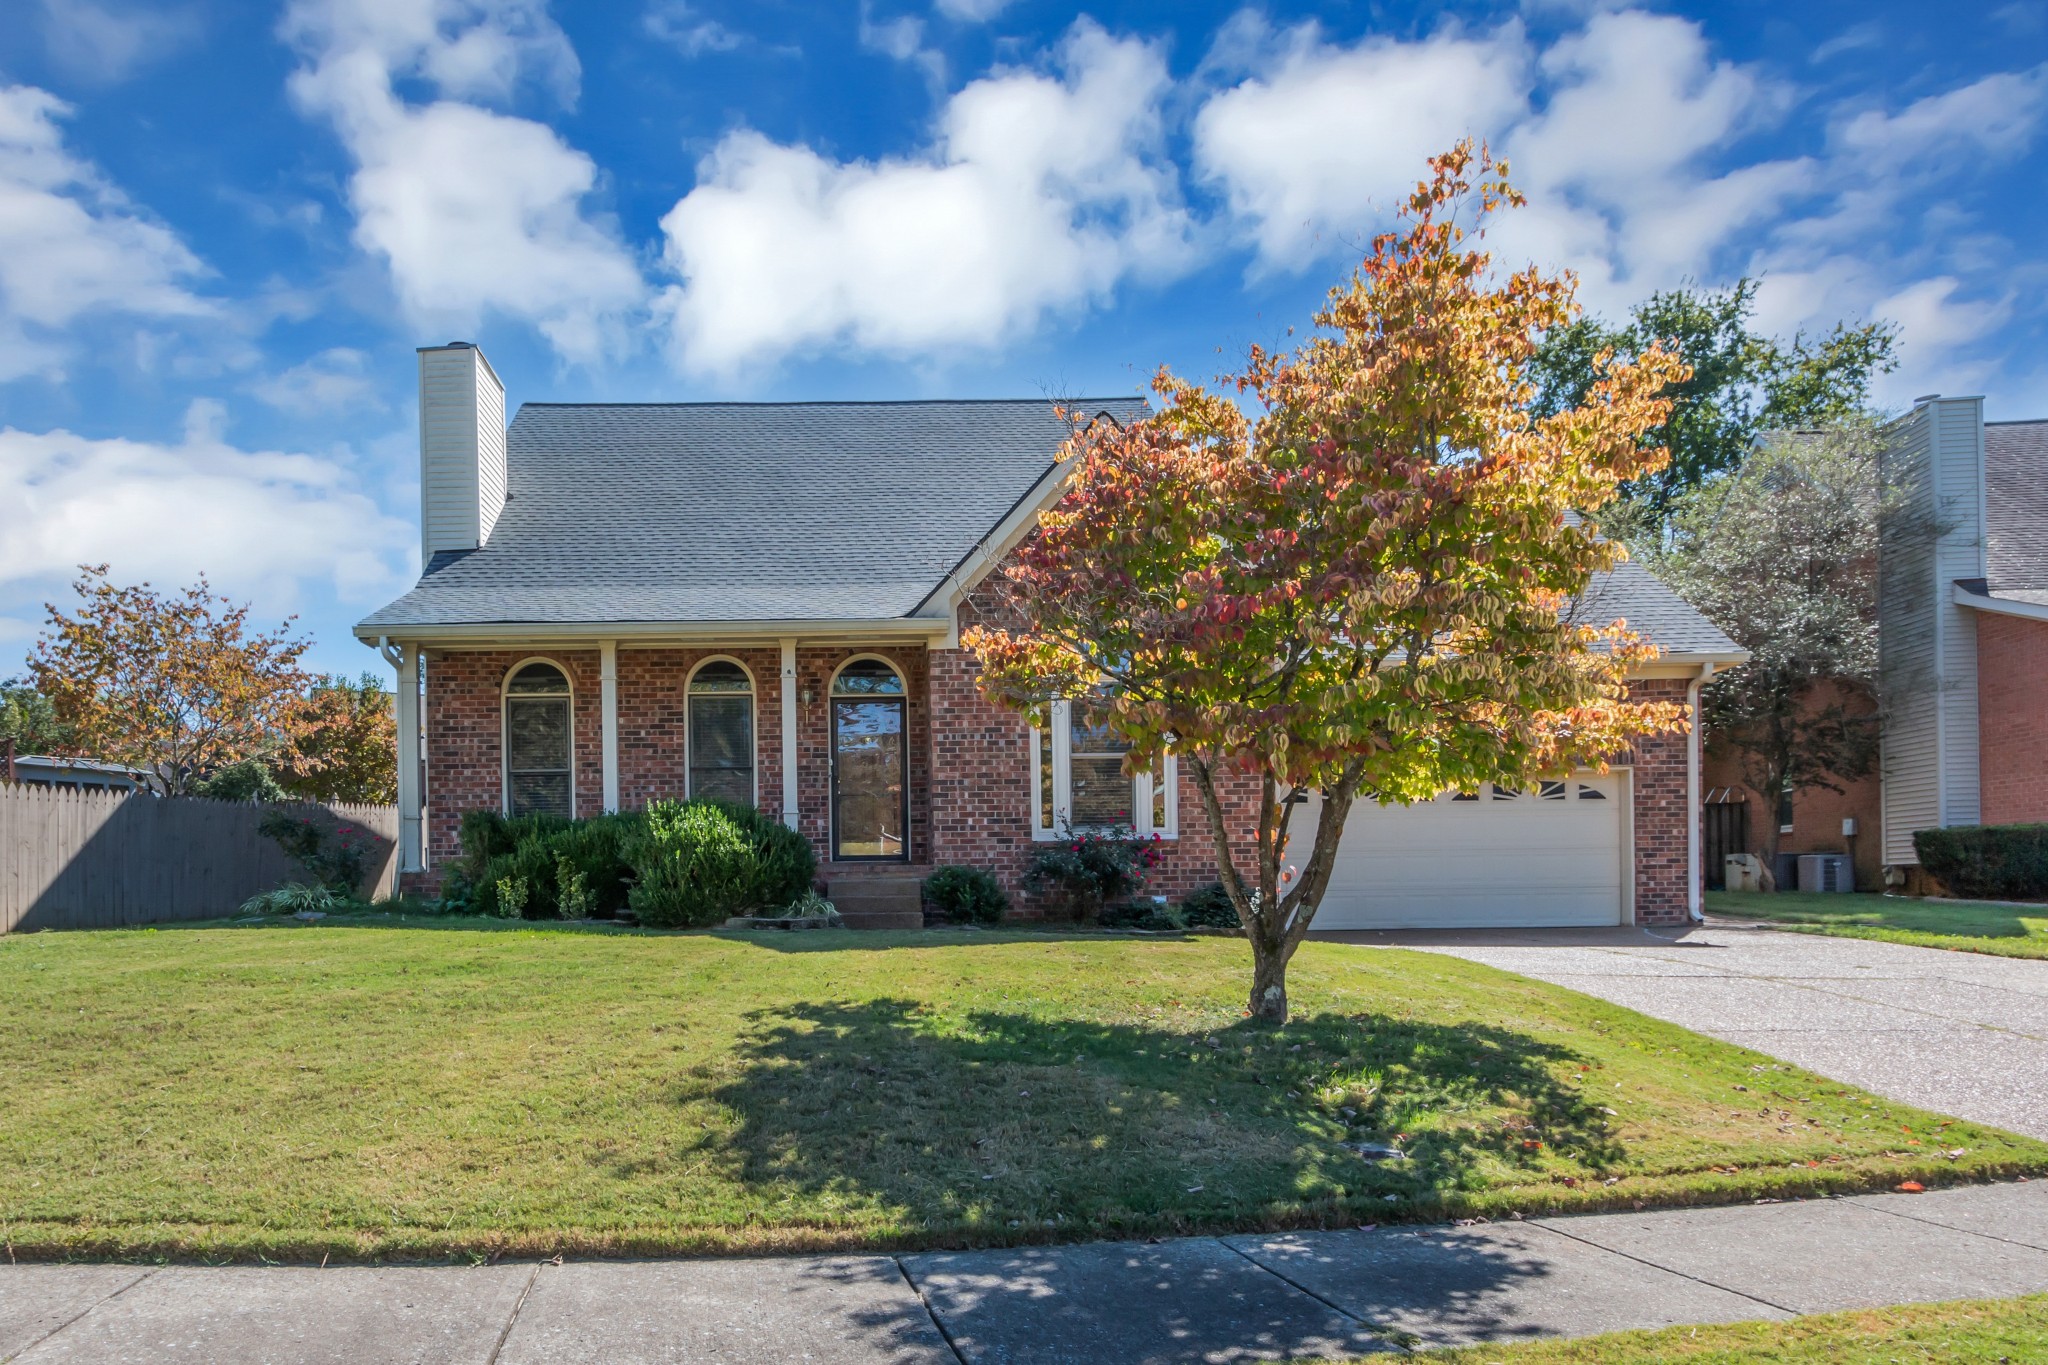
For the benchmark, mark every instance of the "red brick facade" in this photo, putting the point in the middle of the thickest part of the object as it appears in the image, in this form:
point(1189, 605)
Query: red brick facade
point(2012, 719)
point(971, 772)
point(1664, 816)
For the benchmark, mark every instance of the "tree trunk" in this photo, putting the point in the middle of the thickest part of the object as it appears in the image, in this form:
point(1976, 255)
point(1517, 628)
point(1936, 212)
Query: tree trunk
point(1269, 981)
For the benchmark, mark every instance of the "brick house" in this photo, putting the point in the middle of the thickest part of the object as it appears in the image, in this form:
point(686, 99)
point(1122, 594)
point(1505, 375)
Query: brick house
point(1963, 626)
point(764, 601)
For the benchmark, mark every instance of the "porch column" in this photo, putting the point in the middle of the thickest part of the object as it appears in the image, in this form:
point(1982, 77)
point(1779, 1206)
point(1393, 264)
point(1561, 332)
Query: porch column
point(789, 723)
point(608, 708)
point(405, 659)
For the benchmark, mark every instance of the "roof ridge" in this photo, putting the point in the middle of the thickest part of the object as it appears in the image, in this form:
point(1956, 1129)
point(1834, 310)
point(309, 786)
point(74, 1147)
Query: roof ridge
point(836, 402)
point(2019, 422)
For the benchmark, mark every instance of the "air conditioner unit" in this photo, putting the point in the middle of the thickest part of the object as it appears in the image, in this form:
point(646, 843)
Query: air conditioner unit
point(1826, 872)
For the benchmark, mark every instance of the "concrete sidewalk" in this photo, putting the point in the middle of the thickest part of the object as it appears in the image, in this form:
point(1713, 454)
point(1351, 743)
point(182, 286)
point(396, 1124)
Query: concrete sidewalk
point(1193, 1299)
point(1957, 1033)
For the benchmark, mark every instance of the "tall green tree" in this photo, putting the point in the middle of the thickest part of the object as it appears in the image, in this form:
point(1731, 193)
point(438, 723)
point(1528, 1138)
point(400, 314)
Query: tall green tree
point(29, 719)
point(1742, 382)
point(1782, 554)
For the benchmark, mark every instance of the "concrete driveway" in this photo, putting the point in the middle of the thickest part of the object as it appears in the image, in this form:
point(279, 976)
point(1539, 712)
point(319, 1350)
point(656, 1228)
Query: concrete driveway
point(1958, 1033)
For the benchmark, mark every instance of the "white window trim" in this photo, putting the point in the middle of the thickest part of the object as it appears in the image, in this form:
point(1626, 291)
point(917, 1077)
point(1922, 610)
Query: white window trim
point(1062, 786)
point(505, 728)
point(753, 719)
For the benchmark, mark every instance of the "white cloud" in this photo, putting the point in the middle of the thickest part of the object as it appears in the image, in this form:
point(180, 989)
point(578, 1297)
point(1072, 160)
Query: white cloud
point(104, 43)
point(1319, 144)
point(971, 11)
point(677, 23)
point(1612, 129)
point(1996, 116)
point(260, 524)
point(473, 211)
point(334, 380)
point(1040, 193)
point(70, 243)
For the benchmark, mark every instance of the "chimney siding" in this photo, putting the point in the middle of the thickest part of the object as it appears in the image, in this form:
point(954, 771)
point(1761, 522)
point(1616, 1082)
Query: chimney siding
point(462, 448)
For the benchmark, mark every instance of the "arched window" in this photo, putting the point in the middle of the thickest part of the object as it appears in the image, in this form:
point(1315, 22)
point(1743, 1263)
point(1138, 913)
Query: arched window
point(722, 732)
point(538, 741)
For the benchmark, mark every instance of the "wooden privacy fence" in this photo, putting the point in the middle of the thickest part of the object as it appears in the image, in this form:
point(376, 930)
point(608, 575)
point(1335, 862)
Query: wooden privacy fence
point(97, 860)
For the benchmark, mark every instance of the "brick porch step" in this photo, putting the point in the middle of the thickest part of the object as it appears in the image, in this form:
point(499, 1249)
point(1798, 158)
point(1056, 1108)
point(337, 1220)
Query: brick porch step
point(886, 896)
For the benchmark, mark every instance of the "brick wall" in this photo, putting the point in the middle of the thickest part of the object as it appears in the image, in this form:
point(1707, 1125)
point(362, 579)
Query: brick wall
point(970, 766)
point(1664, 820)
point(2012, 719)
point(465, 740)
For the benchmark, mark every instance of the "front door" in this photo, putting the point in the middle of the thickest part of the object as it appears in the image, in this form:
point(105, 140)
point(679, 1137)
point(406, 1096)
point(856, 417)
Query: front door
point(869, 812)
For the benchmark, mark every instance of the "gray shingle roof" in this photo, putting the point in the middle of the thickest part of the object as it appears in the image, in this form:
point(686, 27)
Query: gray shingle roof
point(674, 513)
point(707, 512)
point(2016, 507)
point(1631, 593)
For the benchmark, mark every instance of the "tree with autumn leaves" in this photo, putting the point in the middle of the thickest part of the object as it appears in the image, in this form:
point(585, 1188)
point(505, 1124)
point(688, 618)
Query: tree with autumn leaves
point(180, 685)
point(1357, 577)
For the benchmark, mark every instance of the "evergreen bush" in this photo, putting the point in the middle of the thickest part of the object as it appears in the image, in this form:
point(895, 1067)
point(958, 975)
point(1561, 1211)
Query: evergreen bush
point(967, 895)
point(1987, 862)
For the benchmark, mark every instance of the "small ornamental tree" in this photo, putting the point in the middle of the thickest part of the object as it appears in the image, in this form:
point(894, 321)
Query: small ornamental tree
point(1361, 583)
point(347, 749)
point(175, 683)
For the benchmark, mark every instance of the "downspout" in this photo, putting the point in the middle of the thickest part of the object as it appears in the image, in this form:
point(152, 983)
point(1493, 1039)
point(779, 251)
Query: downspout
point(1695, 908)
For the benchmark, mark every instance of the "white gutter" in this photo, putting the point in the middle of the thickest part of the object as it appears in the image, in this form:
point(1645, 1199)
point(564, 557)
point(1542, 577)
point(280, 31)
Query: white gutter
point(789, 727)
point(646, 633)
point(1998, 606)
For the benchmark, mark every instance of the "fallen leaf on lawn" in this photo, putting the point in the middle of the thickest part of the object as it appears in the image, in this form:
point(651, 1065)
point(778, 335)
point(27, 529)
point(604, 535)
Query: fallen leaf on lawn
point(1911, 1187)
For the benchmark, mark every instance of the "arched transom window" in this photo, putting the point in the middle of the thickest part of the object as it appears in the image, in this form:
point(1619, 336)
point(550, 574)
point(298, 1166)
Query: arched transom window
point(538, 742)
point(721, 742)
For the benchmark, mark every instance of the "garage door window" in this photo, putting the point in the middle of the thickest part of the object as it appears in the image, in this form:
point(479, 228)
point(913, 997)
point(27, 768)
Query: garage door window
point(1078, 774)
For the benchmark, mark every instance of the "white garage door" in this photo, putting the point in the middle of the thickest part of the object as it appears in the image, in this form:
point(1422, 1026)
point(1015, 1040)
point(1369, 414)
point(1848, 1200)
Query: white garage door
point(1494, 859)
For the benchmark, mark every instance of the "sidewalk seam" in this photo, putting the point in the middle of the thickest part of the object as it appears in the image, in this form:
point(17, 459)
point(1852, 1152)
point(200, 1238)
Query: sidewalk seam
point(929, 1311)
point(1339, 1309)
point(513, 1320)
point(95, 1304)
point(1857, 1199)
point(1669, 1270)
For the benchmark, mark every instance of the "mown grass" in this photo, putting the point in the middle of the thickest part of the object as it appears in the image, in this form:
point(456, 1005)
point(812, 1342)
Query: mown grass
point(301, 1092)
point(1976, 1332)
point(2002, 930)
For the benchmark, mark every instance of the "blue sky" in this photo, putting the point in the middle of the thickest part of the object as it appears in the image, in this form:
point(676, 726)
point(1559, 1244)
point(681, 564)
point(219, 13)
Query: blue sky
point(224, 226)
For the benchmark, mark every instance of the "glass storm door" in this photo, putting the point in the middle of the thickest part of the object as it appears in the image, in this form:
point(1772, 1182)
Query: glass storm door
point(869, 809)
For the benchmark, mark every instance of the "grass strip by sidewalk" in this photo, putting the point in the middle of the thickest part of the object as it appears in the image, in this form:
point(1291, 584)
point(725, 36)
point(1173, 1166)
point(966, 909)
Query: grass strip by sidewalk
point(2001, 930)
point(294, 1093)
point(1973, 1332)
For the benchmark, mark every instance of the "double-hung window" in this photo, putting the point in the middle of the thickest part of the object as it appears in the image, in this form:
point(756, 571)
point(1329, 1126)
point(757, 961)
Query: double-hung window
point(1079, 779)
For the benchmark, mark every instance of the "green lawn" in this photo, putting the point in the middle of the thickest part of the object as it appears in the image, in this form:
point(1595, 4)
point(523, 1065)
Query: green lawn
point(2005, 930)
point(1982, 1332)
point(296, 1092)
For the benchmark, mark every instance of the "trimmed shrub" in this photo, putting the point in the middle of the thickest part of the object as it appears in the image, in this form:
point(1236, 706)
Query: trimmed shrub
point(1209, 908)
point(696, 863)
point(694, 866)
point(967, 895)
point(1987, 862)
point(555, 868)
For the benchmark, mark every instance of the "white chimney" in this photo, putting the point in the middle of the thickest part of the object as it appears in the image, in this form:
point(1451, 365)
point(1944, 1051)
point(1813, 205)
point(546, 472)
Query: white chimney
point(462, 448)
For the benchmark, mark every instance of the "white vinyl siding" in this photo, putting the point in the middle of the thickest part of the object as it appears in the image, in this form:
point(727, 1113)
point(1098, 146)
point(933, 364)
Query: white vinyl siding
point(462, 449)
point(1928, 646)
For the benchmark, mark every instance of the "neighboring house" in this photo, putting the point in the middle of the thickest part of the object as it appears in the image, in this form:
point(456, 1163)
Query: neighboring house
point(76, 774)
point(1963, 625)
point(764, 601)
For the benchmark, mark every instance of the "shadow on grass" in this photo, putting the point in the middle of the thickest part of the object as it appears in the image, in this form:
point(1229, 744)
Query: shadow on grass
point(977, 1126)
